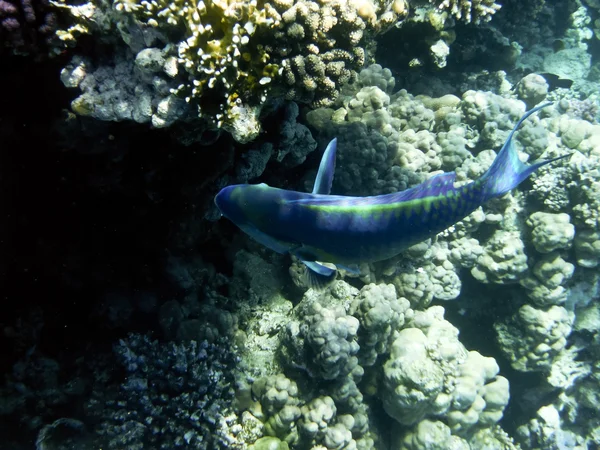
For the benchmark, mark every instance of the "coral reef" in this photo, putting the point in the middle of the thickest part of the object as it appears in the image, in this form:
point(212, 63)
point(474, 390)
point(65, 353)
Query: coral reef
point(544, 251)
point(174, 394)
point(313, 368)
point(457, 384)
point(243, 358)
point(219, 61)
point(35, 391)
point(534, 337)
point(27, 26)
point(469, 11)
point(459, 388)
point(379, 313)
point(532, 89)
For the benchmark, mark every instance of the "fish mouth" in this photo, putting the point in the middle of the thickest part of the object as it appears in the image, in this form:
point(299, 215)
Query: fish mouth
point(222, 198)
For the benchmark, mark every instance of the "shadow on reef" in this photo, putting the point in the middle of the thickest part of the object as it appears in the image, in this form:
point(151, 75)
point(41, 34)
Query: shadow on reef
point(88, 210)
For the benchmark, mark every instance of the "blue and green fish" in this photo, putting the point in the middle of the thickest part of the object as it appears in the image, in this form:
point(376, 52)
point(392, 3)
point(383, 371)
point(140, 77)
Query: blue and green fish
point(345, 231)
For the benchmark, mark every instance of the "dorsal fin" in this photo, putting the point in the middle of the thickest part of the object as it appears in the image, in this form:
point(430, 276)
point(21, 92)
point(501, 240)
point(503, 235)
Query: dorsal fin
point(326, 169)
point(432, 187)
point(437, 185)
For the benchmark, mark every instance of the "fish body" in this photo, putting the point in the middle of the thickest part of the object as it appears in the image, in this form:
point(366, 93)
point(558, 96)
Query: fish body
point(346, 231)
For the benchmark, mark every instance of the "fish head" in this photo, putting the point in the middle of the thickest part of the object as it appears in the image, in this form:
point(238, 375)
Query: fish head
point(228, 202)
point(240, 203)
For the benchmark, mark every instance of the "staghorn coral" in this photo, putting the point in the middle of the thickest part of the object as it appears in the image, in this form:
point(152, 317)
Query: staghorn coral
point(215, 55)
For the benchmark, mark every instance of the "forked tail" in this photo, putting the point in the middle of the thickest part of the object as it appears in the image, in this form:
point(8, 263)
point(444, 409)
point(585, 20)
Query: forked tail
point(507, 171)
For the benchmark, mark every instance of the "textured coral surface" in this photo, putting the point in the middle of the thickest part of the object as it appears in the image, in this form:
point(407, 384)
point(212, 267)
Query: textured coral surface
point(135, 317)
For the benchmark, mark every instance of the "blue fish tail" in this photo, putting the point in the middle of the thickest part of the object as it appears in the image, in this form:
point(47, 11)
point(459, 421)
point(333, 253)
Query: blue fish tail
point(508, 171)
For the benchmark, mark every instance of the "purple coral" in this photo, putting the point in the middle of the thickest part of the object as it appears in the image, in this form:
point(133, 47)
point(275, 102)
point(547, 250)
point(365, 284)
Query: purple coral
point(26, 26)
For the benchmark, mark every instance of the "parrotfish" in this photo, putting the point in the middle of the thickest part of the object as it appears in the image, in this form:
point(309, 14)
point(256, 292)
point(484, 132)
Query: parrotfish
point(345, 231)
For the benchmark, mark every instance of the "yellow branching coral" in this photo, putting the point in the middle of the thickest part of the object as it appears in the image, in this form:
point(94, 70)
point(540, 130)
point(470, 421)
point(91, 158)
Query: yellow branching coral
point(216, 59)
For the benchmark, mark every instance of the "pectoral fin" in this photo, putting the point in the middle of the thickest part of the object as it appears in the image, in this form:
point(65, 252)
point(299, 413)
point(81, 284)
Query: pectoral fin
point(317, 275)
point(266, 240)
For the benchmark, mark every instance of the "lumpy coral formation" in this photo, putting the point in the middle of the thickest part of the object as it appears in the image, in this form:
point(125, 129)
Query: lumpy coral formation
point(429, 373)
point(332, 369)
point(410, 361)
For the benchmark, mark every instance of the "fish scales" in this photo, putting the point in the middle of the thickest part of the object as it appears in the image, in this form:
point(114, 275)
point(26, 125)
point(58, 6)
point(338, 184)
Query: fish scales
point(383, 230)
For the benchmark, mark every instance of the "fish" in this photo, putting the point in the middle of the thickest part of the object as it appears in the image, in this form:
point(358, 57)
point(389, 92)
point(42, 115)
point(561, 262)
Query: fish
point(556, 81)
point(330, 232)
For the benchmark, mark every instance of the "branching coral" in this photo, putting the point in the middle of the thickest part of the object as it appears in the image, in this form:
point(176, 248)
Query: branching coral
point(173, 393)
point(225, 59)
point(475, 11)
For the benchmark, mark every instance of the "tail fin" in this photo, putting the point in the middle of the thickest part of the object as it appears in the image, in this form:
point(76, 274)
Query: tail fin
point(507, 171)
